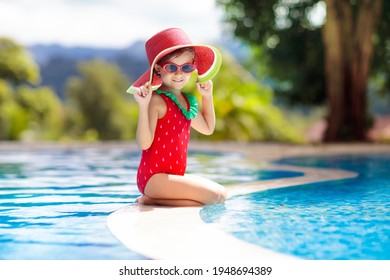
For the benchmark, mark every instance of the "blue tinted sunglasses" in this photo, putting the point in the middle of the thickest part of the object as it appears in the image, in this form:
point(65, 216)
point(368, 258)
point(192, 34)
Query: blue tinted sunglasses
point(173, 68)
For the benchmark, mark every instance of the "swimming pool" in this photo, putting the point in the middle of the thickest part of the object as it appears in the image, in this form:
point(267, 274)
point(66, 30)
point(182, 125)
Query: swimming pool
point(345, 219)
point(54, 203)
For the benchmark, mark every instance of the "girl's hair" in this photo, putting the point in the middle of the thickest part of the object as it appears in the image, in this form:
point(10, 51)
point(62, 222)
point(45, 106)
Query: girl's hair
point(176, 53)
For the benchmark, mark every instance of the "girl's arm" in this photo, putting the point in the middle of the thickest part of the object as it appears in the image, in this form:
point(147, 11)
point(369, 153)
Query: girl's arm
point(204, 122)
point(147, 117)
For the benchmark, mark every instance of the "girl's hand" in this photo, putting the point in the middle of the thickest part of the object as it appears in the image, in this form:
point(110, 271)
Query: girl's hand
point(143, 94)
point(205, 89)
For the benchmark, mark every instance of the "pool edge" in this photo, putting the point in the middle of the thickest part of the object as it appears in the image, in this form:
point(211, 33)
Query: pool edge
point(169, 233)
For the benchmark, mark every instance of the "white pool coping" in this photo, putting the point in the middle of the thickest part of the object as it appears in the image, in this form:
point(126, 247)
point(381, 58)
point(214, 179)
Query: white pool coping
point(169, 233)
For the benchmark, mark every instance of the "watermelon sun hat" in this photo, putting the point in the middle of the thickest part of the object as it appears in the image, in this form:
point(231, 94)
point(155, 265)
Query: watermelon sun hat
point(207, 58)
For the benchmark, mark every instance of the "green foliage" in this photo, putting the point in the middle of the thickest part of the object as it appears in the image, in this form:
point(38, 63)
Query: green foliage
point(244, 108)
point(24, 110)
point(29, 114)
point(292, 47)
point(298, 68)
point(44, 111)
point(381, 58)
point(13, 119)
point(97, 105)
point(16, 65)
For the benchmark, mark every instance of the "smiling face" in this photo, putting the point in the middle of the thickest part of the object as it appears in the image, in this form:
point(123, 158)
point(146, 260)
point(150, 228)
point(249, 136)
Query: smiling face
point(175, 81)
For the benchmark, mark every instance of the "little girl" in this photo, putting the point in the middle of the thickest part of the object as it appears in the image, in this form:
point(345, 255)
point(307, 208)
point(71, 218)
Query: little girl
point(166, 115)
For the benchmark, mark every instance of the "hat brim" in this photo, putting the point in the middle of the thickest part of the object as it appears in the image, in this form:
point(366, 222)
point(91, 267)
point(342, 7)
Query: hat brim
point(155, 82)
point(208, 62)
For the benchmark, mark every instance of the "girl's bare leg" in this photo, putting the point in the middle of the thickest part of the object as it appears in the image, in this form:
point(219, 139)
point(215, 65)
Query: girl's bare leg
point(166, 202)
point(187, 190)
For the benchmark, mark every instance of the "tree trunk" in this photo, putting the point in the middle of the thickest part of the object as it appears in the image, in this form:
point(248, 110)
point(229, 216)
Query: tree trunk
point(348, 52)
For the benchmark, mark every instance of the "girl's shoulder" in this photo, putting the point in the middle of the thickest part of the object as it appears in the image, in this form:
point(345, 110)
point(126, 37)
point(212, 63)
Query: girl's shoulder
point(157, 99)
point(158, 103)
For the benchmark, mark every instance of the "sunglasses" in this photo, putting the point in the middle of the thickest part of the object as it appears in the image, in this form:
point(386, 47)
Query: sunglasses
point(172, 67)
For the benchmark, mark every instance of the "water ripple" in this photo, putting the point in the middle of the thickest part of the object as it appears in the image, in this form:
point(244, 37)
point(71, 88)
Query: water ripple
point(54, 204)
point(347, 219)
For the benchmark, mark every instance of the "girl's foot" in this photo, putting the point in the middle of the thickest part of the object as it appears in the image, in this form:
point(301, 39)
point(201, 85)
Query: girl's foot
point(138, 199)
point(143, 199)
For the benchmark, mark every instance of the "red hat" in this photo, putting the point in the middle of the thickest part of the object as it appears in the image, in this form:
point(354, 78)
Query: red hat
point(207, 58)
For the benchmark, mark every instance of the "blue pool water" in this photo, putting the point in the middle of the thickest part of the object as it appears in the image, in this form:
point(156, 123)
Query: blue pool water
point(54, 203)
point(346, 219)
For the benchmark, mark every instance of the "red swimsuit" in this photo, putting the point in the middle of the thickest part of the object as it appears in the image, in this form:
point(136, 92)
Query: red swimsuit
point(168, 152)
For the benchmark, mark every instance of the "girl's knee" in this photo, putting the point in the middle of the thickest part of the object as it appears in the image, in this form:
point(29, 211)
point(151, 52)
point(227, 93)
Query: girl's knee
point(219, 196)
point(222, 195)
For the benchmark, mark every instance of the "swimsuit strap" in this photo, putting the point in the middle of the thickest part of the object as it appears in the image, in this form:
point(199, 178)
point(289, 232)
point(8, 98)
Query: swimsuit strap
point(193, 110)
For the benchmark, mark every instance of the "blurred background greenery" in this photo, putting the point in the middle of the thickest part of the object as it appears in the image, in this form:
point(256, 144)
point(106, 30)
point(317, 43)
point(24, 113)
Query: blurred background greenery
point(299, 80)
